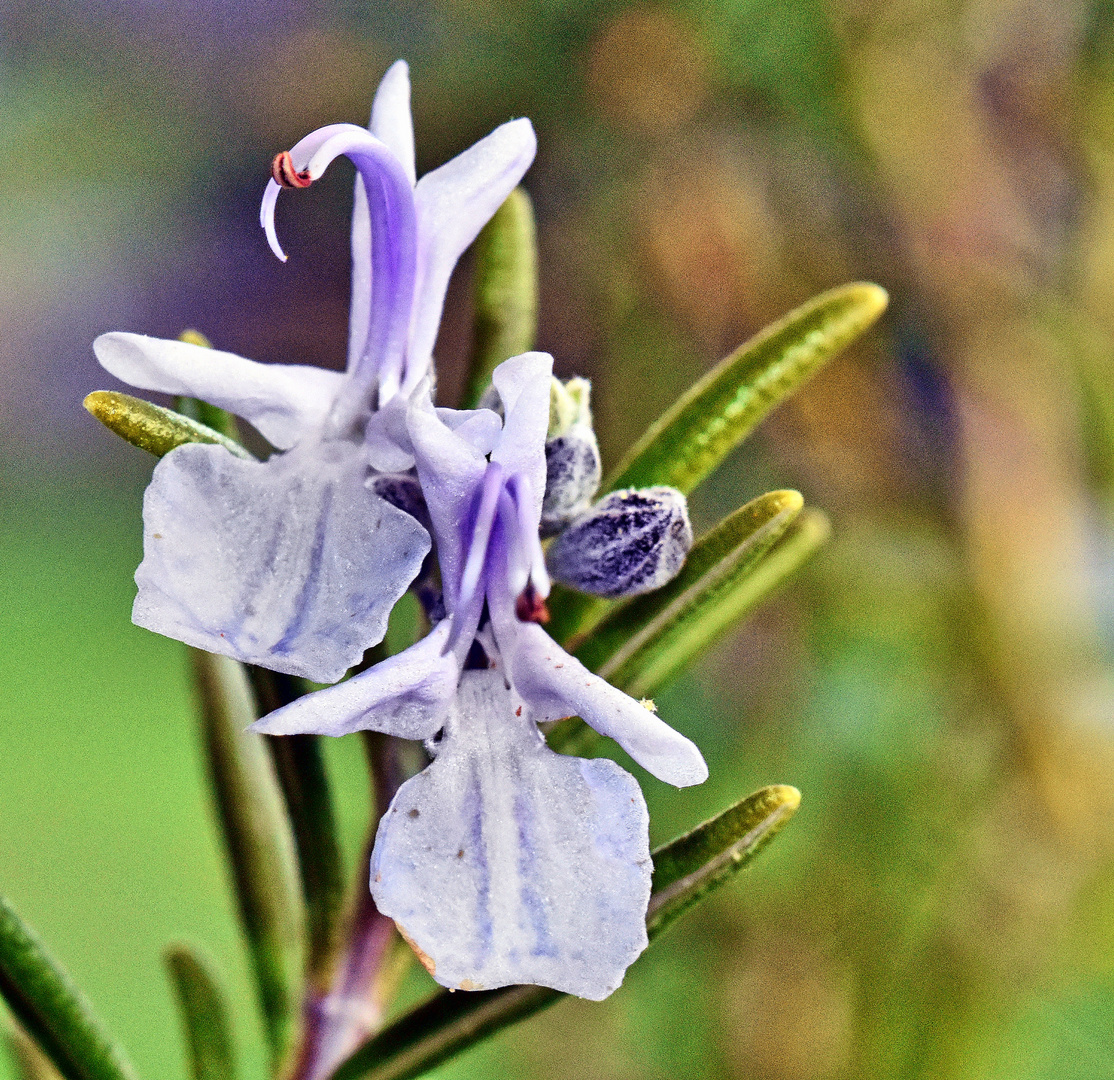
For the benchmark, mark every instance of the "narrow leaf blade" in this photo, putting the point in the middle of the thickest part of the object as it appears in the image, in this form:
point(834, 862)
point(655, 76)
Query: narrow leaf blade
point(670, 644)
point(729, 550)
point(257, 838)
point(151, 427)
point(201, 1004)
point(300, 769)
point(50, 1007)
point(506, 291)
point(688, 868)
point(27, 1060)
point(305, 786)
point(685, 870)
point(723, 407)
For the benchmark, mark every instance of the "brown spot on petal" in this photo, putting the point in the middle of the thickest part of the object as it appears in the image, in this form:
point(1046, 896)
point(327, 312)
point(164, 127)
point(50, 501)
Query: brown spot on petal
point(414, 813)
point(467, 984)
point(427, 961)
point(285, 175)
point(460, 853)
point(518, 711)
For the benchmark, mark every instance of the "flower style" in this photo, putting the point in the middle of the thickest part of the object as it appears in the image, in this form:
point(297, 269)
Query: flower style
point(295, 563)
point(503, 862)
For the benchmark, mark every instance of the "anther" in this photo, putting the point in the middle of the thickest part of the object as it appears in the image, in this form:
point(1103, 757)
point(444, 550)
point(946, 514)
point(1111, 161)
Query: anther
point(530, 607)
point(285, 175)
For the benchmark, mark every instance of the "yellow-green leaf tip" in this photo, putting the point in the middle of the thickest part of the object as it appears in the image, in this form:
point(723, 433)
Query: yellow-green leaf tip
point(151, 427)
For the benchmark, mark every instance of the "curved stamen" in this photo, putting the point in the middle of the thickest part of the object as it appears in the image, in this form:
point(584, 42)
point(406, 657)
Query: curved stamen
point(286, 175)
point(470, 599)
point(391, 255)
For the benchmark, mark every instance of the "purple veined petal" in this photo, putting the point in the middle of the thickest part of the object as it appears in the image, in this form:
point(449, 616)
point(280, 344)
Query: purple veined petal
point(285, 402)
point(466, 607)
point(523, 385)
point(529, 542)
point(359, 308)
point(391, 121)
point(450, 469)
point(292, 563)
point(513, 558)
point(453, 203)
point(558, 685)
point(407, 695)
point(506, 863)
point(392, 260)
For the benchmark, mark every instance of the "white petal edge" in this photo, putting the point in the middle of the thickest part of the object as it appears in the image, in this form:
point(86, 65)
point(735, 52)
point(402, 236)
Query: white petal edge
point(558, 685)
point(453, 203)
point(285, 402)
point(406, 695)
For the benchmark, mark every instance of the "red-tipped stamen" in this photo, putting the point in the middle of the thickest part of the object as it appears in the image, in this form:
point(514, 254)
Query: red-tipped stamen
point(285, 175)
point(530, 606)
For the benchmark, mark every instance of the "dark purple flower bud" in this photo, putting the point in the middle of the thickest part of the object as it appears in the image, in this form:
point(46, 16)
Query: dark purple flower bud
point(572, 477)
point(630, 542)
point(403, 491)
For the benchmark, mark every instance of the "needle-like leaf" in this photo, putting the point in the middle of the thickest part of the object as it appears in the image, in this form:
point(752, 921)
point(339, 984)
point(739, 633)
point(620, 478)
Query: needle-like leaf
point(506, 291)
point(690, 867)
point(641, 644)
point(723, 407)
point(685, 870)
point(693, 619)
point(50, 1007)
point(729, 551)
point(300, 768)
point(151, 427)
point(204, 1013)
point(257, 837)
point(27, 1060)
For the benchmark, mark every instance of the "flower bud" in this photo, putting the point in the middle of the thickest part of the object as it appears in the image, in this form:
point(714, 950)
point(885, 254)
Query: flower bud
point(630, 542)
point(403, 491)
point(572, 477)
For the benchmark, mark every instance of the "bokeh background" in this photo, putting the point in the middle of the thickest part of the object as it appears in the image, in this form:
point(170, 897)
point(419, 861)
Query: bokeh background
point(938, 682)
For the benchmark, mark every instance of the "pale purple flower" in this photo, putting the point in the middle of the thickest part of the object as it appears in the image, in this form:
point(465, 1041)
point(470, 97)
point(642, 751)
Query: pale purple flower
point(293, 563)
point(503, 862)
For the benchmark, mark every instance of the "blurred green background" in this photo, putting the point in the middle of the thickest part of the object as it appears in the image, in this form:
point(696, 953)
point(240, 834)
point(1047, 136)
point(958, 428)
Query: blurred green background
point(939, 682)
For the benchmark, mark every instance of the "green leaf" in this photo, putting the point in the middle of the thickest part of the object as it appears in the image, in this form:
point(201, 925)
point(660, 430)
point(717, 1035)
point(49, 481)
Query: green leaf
point(27, 1060)
point(719, 411)
point(715, 603)
point(300, 768)
point(204, 1012)
point(690, 867)
point(638, 646)
point(50, 1007)
point(726, 553)
point(151, 427)
point(506, 291)
point(685, 871)
point(305, 787)
point(257, 837)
